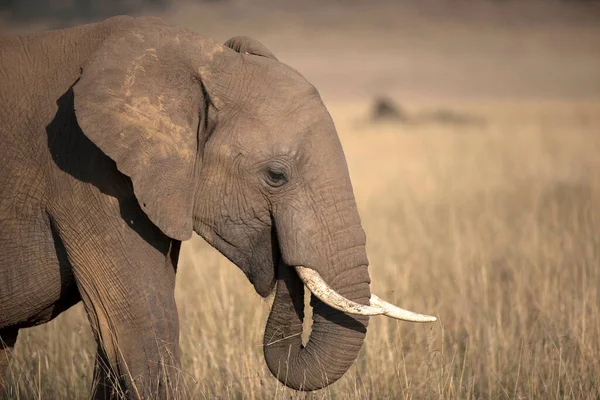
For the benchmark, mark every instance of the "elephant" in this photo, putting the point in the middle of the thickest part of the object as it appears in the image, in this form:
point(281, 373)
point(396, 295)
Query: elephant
point(120, 139)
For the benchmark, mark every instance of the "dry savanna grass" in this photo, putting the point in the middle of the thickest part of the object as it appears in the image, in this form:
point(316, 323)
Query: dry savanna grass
point(492, 227)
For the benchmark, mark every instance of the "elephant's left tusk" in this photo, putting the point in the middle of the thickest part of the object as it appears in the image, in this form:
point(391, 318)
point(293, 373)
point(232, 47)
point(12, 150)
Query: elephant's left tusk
point(317, 286)
point(393, 311)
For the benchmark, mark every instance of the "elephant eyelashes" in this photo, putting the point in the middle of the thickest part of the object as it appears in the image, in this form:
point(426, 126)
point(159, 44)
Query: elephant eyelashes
point(276, 178)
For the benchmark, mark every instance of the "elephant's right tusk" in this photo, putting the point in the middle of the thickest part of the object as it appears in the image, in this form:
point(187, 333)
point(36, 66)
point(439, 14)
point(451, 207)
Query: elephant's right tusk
point(317, 286)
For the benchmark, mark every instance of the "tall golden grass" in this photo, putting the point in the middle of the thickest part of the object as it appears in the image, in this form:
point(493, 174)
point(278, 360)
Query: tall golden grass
point(494, 227)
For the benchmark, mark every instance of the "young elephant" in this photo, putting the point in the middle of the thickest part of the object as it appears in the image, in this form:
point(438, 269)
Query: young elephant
point(121, 138)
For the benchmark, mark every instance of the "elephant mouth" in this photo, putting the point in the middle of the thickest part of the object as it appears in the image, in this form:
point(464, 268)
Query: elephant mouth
point(263, 287)
point(265, 277)
point(264, 282)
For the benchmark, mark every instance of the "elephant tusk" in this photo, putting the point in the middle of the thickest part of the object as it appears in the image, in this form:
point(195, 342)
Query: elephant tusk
point(317, 286)
point(398, 313)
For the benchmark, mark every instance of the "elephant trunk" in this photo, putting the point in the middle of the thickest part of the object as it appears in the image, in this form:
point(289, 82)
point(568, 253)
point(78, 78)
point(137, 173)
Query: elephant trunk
point(334, 343)
point(334, 245)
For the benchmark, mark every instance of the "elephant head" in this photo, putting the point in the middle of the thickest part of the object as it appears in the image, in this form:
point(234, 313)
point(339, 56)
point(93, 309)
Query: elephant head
point(230, 143)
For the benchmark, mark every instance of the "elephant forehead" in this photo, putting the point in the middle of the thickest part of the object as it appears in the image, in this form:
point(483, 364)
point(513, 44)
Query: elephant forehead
point(268, 139)
point(289, 116)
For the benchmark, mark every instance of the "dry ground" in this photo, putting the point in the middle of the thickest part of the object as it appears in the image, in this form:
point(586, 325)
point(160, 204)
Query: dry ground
point(494, 226)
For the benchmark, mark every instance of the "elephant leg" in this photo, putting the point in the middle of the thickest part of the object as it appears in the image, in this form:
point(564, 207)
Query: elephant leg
point(8, 338)
point(106, 385)
point(126, 280)
point(136, 326)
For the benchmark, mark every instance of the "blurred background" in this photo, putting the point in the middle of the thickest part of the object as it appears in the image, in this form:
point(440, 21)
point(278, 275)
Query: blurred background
point(430, 49)
point(472, 134)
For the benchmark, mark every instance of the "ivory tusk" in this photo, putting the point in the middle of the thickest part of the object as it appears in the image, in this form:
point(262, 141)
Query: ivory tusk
point(317, 286)
point(398, 313)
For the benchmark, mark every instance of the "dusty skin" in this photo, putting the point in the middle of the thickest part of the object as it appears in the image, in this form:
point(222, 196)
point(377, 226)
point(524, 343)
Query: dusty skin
point(492, 227)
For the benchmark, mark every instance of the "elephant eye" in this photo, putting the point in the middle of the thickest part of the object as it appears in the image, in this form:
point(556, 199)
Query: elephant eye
point(276, 178)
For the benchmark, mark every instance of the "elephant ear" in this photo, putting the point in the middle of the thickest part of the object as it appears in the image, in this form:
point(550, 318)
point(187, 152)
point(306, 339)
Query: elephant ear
point(244, 44)
point(141, 101)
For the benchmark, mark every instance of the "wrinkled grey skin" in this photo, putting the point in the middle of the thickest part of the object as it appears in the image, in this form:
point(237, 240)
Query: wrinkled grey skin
point(118, 140)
